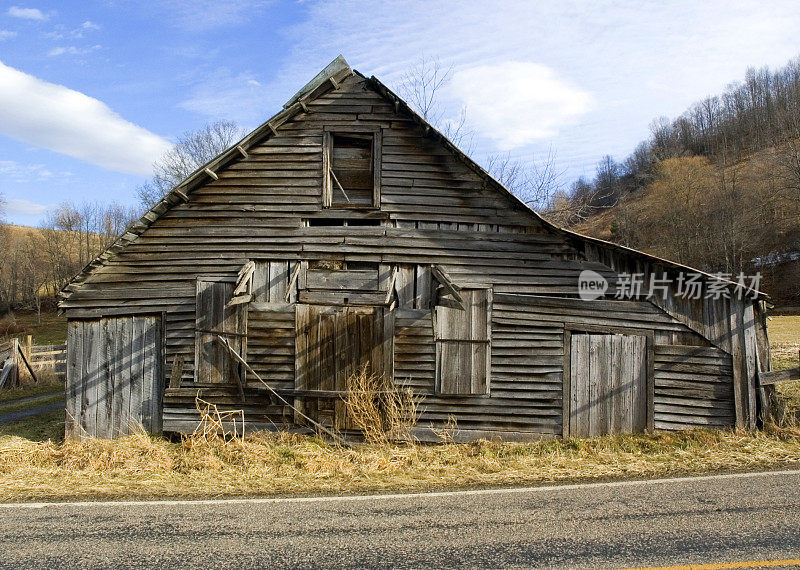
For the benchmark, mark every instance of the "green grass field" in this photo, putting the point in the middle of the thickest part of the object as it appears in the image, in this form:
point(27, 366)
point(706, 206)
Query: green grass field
point(52, 330)
point(44, 427)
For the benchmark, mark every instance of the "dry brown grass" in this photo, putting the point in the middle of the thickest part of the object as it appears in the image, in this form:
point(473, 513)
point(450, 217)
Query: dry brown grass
point(45, 375)
point(784, 336)
point(206, 464)
point(381, 410)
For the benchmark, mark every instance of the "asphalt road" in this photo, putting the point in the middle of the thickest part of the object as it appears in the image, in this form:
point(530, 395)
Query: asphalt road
point(710, 520)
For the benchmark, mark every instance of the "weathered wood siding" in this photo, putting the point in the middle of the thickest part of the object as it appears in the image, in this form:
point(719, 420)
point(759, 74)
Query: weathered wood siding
point(693, 387)
point(434, 209)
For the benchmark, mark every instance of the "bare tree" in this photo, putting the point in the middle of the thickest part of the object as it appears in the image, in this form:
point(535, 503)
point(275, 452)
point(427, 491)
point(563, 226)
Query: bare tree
point(421, 85)
point(535, 181)
point(193, 149)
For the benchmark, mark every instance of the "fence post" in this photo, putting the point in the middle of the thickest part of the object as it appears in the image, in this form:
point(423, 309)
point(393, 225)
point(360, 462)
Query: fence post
point(13, 377)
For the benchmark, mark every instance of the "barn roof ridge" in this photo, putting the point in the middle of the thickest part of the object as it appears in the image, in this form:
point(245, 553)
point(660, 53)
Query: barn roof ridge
point(329, 78)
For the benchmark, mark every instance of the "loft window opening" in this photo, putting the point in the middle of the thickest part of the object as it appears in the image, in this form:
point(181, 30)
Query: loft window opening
point(341, 222)
point(352, 169)
point(365, 222)
point(362, 265)
point(312, 222)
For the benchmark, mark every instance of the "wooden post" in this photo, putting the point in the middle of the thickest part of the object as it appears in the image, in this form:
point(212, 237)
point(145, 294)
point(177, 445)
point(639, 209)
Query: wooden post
point(13, 379)
point(28, 352)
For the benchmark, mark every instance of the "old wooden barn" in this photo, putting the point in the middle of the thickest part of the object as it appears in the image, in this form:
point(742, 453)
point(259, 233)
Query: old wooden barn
point(348, 232)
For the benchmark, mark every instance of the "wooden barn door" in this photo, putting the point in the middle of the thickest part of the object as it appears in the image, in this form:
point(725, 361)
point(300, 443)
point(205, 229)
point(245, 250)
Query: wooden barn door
point(608, 384)
point(332, 344)
point(214, 364)
point(114, 378)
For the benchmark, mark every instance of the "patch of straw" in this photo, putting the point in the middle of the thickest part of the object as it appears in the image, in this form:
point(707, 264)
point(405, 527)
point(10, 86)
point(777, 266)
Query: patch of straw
point(380, 409)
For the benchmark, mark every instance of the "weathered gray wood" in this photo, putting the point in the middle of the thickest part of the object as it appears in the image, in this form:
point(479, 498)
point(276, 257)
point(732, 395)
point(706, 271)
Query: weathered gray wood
point(177, 371)
point(608, 384)
point(463, 344)
point(75, 379)
point(120, 360)
point(740, 389)
point(91, 377)
point(213, 364)
point(579, 390)
point(750, 354)
point(775, 377)
point(566, 388)
point(435, 208)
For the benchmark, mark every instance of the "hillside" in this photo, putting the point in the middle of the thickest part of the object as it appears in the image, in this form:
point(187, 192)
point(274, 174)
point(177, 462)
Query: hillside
point(717, 188)
point(728, 218)
point(37, 262)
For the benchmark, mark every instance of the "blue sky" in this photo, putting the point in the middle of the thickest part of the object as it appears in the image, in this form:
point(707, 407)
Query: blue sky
point(92, 92)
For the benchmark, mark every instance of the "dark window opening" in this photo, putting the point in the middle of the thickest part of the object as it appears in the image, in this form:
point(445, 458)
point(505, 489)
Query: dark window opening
point(352, 178)
point(325, 222)
point(362, 266)
point(340, 265)
point(341, 222)
point(351, 170)
point(329, 264)
point(365, 222)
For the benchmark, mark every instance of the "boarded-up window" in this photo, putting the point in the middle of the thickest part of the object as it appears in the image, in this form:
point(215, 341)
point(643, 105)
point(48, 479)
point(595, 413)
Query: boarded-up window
point(214, 364)
point(352, 163)
point(462, 343)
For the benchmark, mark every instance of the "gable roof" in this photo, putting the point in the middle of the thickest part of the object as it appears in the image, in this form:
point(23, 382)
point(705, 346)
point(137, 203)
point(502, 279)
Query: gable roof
point(327, 79)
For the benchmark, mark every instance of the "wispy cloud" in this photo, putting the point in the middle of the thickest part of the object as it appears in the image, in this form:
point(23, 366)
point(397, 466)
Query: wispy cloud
point(516, 103)
point(66, 121)
point(7, 35)
point(615, 51)
point(239, 97)
point(20, 207)
point(203, 15)
point(13, 171)
point(26, 13)
point(71, 50)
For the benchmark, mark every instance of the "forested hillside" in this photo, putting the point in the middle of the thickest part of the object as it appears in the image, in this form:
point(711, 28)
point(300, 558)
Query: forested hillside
point(35, 263)
point(717, 188)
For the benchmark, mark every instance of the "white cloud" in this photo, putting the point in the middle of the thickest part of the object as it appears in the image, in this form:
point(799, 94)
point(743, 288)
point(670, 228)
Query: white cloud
point(88, 25)
point(612, 48)
point(7, 35)
point(67, 121)
point(516, 103)
point(25, 208)
point(26, 13)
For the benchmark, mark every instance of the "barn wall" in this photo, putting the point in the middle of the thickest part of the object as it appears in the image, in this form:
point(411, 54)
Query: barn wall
point(434, 210)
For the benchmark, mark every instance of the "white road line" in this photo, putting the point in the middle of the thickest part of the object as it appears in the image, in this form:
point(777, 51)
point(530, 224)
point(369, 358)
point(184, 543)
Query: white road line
point(378, 496)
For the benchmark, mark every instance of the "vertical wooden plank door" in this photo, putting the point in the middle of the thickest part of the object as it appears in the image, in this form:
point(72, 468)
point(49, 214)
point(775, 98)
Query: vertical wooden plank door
point(333, 344)
point(608, 384)
point(114, 376)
